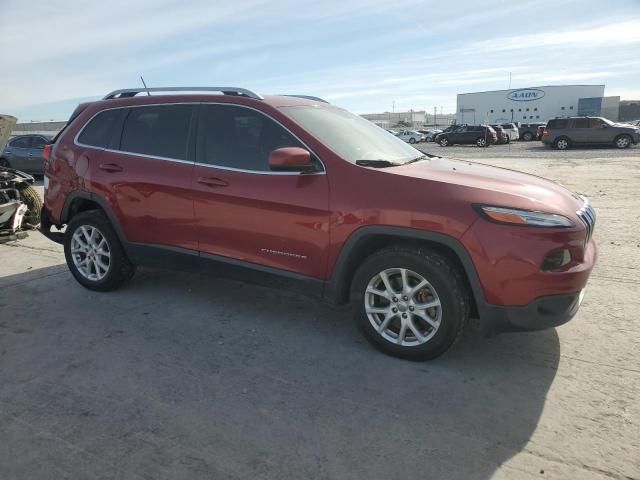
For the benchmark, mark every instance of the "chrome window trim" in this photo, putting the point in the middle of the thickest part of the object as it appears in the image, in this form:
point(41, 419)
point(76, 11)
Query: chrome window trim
point(210, 165)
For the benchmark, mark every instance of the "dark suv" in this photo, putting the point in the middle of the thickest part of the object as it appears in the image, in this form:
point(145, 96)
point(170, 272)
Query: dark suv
point(561, 133)
point(480, 135)
point(298, 193)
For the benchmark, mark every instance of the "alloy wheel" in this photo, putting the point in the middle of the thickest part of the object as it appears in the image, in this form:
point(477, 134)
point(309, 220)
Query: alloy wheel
point(90, 252)
point(403, 307)
point(562, 144)
point(622, 142)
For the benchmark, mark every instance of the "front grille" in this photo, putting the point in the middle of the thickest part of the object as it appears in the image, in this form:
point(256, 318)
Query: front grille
point(588, 216)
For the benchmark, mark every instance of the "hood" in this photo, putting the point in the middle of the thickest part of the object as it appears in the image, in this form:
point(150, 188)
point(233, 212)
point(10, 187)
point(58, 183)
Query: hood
point(488, 185)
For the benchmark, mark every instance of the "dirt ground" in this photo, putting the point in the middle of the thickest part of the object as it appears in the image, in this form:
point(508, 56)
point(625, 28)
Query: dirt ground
point(181, 376)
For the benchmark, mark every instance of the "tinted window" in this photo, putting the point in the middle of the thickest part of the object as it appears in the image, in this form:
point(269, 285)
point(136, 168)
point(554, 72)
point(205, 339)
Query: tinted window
point(38, 142)
point(22, 142)
point(558, 123)
point(241, 138)
point(99, 130)
point(581, 123)
point(161, 131)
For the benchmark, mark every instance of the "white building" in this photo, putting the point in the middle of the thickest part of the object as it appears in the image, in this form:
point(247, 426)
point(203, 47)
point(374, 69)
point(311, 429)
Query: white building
point(535, 104)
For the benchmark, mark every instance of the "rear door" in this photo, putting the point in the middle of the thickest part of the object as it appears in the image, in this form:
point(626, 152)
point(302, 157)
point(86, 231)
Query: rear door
point(144, 171)
point(35, 162)
point(580, 131)
point(245, 211)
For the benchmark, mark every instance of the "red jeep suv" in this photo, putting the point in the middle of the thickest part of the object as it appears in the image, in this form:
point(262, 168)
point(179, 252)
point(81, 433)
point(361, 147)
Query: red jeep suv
point(293, 191)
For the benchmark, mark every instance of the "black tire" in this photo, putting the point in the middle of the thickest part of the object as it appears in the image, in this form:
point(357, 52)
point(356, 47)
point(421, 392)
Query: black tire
point(508, 140)
point(445, 278)
point(562, 143)
point(527, 136)
point(412, 140)
point(444, 142)
point(34, 206)
point(482, 142)
point(4, 163)
point(120, 268)
point(623, 141)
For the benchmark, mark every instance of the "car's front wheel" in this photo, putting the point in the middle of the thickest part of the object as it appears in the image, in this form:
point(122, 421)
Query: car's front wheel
point(94, 253)
point(4, 163)
point(410, 302)
point(481, 142)
point(527, 136)
point(444, 142)
point(623, 141)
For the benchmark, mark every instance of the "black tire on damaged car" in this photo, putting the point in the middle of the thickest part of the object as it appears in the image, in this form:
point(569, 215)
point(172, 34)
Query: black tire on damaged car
point(34, 207)
point(442, 275)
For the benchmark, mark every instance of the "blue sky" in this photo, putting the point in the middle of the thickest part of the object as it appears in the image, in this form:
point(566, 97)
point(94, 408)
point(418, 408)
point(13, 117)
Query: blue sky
point(361, 55)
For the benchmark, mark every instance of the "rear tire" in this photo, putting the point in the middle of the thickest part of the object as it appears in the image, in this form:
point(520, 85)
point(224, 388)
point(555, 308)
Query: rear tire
point(412, 140)
point(527, 136)
point(562, 143)
point(396, 319)
point(623, 141)
point(4, 163)
point(88, 264)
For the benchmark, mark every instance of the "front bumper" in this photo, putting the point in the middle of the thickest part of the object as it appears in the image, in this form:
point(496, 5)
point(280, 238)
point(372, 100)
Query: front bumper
point(544, 312)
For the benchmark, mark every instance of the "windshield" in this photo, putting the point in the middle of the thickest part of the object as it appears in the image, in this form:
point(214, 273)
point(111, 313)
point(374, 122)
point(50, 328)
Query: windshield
point(351, 136)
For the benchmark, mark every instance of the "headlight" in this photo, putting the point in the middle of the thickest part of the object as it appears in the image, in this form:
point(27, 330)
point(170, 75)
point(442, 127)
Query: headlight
point(524, 217)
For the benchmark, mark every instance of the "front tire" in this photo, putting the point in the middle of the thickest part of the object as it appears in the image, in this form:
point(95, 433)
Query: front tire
point(444, 142)
point(4, 163)
point(94, 253)
point(623, 141)
point(410, 302)
point(34, 206)
point(481, 142)
point(527, 136)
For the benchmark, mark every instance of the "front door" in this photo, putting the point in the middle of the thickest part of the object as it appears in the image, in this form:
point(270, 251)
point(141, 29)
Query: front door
point(246, 212)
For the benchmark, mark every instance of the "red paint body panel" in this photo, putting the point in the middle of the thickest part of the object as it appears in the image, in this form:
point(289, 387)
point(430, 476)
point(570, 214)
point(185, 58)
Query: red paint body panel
point(300, 223)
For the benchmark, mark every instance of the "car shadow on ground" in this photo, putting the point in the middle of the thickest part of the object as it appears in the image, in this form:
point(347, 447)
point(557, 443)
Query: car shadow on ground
point(181, 375)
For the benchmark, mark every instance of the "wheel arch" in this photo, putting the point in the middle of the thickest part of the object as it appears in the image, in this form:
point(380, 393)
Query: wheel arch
point(80, 201)
point(367, 240)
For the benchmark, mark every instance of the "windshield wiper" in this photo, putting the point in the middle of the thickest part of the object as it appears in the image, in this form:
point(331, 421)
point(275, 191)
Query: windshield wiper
point(421, 157)
point(377, 163)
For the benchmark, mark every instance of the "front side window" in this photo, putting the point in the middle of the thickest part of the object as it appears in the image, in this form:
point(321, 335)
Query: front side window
point(237, 137)
point(159, 131)
point(351, 136)
point(100, 129)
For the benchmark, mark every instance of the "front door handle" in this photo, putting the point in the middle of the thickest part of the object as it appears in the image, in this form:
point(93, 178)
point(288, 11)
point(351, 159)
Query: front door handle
point(110, 167)
point(213, 182)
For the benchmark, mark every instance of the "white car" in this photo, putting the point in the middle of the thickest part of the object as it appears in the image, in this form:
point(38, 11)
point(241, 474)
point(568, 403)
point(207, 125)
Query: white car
point(410, 136)
point(511, 130)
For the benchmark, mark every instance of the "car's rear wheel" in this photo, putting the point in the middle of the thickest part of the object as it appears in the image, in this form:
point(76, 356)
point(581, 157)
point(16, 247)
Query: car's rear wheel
point(410, 302)
point(34, 206)
point(623, 141)
point(444, 142)
point(481, 142)
point(94, 253)
point(562, 143)
point(527, 136)
point(4, 163)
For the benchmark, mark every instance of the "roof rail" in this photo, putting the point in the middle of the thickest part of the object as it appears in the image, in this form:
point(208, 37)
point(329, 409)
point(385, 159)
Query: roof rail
point(132, 92)
point(308, 97)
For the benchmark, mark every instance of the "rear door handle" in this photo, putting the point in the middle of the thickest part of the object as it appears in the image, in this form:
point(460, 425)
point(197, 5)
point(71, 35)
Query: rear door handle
point(110, 167)
point(213, 182)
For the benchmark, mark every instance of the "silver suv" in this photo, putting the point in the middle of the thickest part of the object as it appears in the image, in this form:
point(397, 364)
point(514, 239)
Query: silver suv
point(561, 133)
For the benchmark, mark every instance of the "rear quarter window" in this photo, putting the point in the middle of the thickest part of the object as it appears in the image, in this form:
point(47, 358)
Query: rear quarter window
point(101, 128)
point(557, 123)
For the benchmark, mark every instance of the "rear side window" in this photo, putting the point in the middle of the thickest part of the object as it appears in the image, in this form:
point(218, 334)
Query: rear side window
point(581, 123)
point(159, 131)
point(558, 123)
point(237, 137)
point(22, 142)
point(100, 129)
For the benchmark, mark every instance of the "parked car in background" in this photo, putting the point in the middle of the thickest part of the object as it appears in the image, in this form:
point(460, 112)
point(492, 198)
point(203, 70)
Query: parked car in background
point(540, 131)
point(481, 135)
point(24, 153)
point(429, 133)
point(501, 133)
point(512, 130)
point(529, 131)
point(561, 133)
point(180, 180)
point(410, 136)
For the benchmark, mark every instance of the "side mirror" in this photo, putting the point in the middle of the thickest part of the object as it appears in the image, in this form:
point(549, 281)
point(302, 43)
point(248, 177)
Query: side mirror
point(290, 159)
